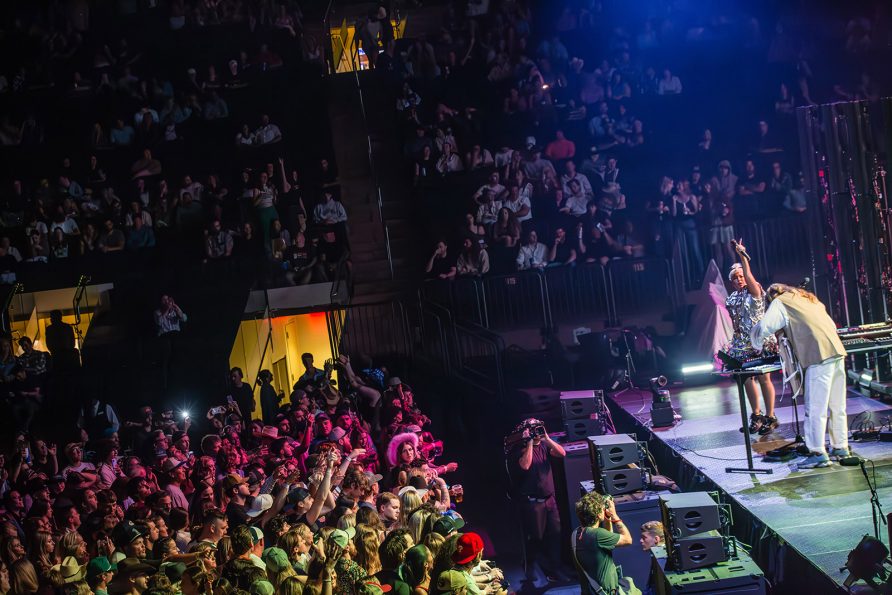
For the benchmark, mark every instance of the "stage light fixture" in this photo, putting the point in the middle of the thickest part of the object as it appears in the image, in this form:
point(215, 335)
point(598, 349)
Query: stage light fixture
point(661, 413)
point(697, 368)
point(866, 377)
point(866, 561)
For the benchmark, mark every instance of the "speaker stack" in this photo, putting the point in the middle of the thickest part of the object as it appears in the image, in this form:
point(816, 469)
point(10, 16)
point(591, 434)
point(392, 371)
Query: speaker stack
point(696, 530)
point(616, 463)
point(583, 413)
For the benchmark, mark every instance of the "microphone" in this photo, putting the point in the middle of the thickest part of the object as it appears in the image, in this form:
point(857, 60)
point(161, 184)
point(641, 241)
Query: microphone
point(805, 282)
point(742, 253)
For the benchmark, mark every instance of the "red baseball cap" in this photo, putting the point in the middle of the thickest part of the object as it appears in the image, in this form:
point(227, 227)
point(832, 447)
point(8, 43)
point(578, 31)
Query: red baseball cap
point(467, 548)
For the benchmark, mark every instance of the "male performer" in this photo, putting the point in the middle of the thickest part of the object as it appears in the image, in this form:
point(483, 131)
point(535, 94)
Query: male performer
point(816, 345)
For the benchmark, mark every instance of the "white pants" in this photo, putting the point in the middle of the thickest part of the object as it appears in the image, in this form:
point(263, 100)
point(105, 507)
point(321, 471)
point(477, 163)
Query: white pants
point(825, 390)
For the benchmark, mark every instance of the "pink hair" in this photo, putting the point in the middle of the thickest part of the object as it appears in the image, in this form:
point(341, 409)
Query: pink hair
point(393, 448)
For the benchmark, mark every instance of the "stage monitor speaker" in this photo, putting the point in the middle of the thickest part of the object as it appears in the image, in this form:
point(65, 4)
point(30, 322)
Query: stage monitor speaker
point(699, 551)
point(737, 576)
point(538, 400)
point(620, 481)
point(662, 415)
point(581, 403)
point(614, 451)
point(569, 472)
point(576, 469)
point(580, 429)
point(691, 513)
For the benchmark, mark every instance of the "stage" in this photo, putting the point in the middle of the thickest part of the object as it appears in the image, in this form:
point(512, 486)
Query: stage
point(793, 519)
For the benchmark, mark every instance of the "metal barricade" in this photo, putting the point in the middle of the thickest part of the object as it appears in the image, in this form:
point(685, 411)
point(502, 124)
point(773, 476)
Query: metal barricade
point(516, 301)
point(579, 291)
point(463, 296)
point(784, 248)
point(434, 324)
point(377, 330)
point(480, 357)
point(641, 287)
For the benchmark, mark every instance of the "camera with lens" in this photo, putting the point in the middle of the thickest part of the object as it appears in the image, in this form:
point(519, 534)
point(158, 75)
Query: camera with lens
point(534, 428)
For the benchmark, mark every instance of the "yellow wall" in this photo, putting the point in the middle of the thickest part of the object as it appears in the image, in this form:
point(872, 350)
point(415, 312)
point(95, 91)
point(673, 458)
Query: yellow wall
point(291, 336)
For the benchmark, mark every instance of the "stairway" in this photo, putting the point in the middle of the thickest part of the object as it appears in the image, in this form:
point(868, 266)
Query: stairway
point(121, 354)
point(372, 281)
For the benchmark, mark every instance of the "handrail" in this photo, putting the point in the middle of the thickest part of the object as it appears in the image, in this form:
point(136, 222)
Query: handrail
point(340, 275)
point(326, 28)
point(4, 316)
point(267, 314)
point(79, 292)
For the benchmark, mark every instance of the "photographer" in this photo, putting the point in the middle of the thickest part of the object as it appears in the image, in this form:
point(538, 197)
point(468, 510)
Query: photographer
point(593, 545)
point(534, 486)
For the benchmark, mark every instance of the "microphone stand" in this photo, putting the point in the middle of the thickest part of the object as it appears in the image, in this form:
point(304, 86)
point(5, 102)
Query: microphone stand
point(875, 507)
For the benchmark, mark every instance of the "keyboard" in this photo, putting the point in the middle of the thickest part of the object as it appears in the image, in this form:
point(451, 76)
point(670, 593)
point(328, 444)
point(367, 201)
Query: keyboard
point(867, 337)
point(732, 363)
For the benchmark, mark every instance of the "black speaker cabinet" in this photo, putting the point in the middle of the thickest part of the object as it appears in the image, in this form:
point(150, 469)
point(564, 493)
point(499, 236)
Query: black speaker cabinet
point(662, 415)
point(614, 451)
point(700, 551)
point(580, 429)
point(691, 513)
point(581, 403)
point(738, 576)
point(537, 400)
point(620, 481)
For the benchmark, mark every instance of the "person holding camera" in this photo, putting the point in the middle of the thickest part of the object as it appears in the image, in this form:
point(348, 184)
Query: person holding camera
point(534, 484)
point(601, 531)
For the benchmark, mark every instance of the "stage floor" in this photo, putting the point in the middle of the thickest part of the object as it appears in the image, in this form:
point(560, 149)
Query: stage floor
point(821, 513)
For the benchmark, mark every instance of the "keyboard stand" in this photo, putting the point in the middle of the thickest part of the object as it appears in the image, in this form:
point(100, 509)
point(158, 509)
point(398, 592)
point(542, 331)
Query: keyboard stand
point(740, 378)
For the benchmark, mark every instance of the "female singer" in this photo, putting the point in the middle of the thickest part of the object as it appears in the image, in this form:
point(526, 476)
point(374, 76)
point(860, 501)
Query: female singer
point(746, 305)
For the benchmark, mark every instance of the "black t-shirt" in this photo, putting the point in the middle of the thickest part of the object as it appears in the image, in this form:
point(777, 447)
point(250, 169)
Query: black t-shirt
point(244, 397)
point(332, 251)
point(562, 254)
point(442, 266)
point(300, 257)
point(596, 248)
point(236, 514)
point(537, 481)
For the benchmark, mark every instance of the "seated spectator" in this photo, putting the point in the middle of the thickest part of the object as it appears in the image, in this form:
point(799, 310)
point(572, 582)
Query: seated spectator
point(669, 84)
point(473, 261)
point(534, 166)
point(493, 186)
point(519, 203)
point(267, 133)
point(146, 166)
point(449, 161)
point(301, 261)
point(478, 158)
point(532, 254)
point(595, 244)
point(140, 236)
point(407, 98)
point(561, 252)
point(488, 211)
point(332, 252)
point(560, 148)
point(111, 239)
point(329, 211)
point(215, 108)
point(121, 135)
point(219, 242)
point(440, 265)
point(575, 200)
point(245, 138)
point(570, 175)
point(766, 140)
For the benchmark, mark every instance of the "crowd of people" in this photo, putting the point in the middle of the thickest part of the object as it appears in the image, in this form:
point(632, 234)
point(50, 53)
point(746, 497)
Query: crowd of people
point(325, 491)
point(153, 173)
point(589, 138)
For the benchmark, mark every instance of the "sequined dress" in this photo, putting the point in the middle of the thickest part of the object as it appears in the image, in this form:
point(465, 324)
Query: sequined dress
point(746, 311)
